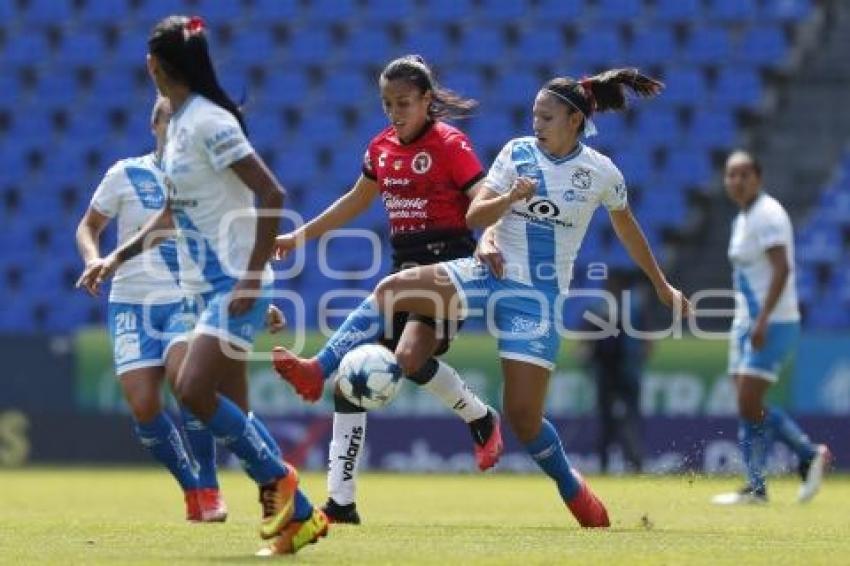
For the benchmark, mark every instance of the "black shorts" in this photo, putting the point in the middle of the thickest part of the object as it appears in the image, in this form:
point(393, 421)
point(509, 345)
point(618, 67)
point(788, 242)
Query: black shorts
point(428, 248)
point(449, 330)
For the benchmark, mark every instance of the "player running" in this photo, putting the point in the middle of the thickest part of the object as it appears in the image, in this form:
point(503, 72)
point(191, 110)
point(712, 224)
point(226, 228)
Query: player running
point(426, 172)
point(764, 331)
point(214, 175)
point(540, 194)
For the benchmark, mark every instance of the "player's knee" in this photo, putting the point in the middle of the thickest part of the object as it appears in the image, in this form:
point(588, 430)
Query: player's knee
point(144, 405)
point(409, 360)
point(187, 390)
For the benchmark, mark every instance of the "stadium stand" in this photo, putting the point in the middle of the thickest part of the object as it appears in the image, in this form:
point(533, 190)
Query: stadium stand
point(74, 97)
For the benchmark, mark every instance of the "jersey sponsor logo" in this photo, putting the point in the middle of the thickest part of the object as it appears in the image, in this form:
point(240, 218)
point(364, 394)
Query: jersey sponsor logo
point(620, 191)
point(396, 182)
point(529, 327)
point(127, 348)
point(544, 208)
point(226, 146)
point(572, 196)
point(221, 136)
point(581, 178)
point(382, 159)
point(398, 208)
point(397, 164)
point(349, 459)
point(147, 187)
point(542, 211)
point(181, 140)
point(465, 146)
point(421, 162)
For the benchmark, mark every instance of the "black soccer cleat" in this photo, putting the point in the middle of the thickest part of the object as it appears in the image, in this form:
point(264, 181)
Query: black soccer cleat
point(341, 514)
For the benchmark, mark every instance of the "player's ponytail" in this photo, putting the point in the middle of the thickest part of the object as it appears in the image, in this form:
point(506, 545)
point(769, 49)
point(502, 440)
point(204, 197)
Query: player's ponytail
point(602, 92)
point(180, 45)
point(446, 103)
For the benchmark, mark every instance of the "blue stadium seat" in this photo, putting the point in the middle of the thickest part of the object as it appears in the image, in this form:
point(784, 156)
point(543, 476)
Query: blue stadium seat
point(687, 167)
point(819, 243)
point(834, 206)
point(115, 83)
point(560, 12)
point(658, 127)
point(367, 45)
point(102, 12)
point(786, 10)
point(492, 129)
point(761, 45)
point(430, 42)
point(217, 13)
point(267, 12)
point(481, 46)
point(327, 12)
point(542, 44)
point(618, 11)
point(79, 48)
point(42, 13)
point(612, 130)
point(56, 87)
point(839, 286)
point(387, 11)
point(309, 46)
point(733, 11)
point(287, 87)
point(468, 84)
point(737, 88)
point(501, 12)
point(515, 87)
point(708, 45)
point(345, 85)
point(598, 47)
point(652, 45)
point(685, 86)
point(30, 48)
point(446, 11)
point(823, 315)
point(713, 128)
point(662, 206)
point(252, 46)
point(677, 11)
point(129, 51)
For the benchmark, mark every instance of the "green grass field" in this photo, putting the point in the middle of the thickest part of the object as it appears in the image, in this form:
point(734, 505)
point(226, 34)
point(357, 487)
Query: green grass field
point(88, 516)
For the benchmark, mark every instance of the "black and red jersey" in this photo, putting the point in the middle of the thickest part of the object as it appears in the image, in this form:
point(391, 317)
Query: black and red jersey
point(423, 183)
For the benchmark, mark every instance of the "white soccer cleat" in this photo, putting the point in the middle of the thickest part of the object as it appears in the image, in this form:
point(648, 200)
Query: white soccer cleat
point(814, 476)
point(746, 496)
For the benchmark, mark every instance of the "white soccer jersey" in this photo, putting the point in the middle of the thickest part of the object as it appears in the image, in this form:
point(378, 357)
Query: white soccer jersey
point(212, 207)
point(540, 239)
point(764, 225)
point(132, 191)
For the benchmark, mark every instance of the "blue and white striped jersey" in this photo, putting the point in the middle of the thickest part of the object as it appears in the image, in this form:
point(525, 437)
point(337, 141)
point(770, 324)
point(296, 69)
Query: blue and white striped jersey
point(540, 239)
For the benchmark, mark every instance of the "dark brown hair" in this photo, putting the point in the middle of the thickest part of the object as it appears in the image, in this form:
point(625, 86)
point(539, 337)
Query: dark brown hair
point(602, 92)
point(180, 45)
point(414, 69)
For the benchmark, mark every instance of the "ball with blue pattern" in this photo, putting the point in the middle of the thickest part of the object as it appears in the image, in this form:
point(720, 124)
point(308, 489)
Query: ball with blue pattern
point(369, 376)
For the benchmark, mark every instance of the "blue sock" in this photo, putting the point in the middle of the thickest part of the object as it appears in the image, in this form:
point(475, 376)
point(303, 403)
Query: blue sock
point(264, 433)
point(202, 446)
point(362, 326)
point(753, 440)
point(303, 507)
point(787, 431)
point(230, 425)
point(162, 439)
point(549, 454)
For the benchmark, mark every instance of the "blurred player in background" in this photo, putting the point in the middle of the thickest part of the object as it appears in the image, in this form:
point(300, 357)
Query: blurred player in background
point(426, 172)
point(540, 193)
point(149, 320)
point(764, 331)
point(214, 176)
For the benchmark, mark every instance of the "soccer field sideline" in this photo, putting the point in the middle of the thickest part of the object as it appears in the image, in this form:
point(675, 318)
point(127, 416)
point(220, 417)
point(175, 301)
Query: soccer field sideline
point(105, 516)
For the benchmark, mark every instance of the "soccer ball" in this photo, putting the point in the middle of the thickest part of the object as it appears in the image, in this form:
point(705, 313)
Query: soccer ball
point(369, 376)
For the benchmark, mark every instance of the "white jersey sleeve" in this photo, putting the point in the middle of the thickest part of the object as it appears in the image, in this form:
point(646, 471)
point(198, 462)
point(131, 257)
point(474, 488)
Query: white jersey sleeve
point(503, 172)
point(107, 196)
point(772, 229)
point(614, 195)
point(222, 139)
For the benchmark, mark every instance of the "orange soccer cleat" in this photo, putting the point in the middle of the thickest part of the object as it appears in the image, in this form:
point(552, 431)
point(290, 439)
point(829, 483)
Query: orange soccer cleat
point(298, 534)
point(487, 453)
point(305, 375)
point(587, 508)
point(278, 501)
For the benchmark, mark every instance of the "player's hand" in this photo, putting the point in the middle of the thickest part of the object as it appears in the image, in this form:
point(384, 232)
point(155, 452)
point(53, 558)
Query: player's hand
point(489, 254)
point(674, 299)
point(243, 295)
point(275, 320)
point(96, 272)
point(522, 189)
point(284, 244)
point(758, 335)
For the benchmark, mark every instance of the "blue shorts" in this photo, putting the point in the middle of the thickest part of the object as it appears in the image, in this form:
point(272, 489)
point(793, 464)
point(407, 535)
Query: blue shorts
point(237, 330)
point(520, 316)
point(780, 342)
point(142, 334)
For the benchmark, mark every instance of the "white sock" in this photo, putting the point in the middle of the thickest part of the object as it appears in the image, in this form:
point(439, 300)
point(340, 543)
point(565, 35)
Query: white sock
point(344, 454)
point(449, 388)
